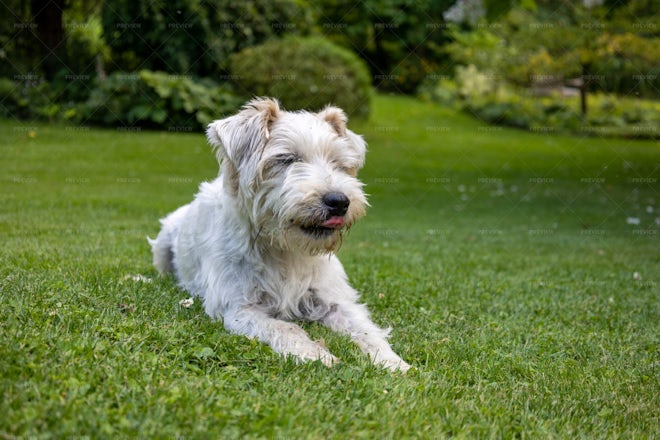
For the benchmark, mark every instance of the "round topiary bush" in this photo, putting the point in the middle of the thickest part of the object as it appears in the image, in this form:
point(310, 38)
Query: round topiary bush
point(304, 73)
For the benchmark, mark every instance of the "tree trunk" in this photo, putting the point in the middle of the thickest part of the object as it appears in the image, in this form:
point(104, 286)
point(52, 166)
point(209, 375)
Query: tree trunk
point(583, 90)
point(50, 34)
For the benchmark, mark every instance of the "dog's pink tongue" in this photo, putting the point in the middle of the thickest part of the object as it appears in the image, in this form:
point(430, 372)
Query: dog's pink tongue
point(335, 222)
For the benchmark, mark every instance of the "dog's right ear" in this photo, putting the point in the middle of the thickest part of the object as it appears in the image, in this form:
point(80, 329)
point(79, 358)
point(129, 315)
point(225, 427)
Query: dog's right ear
point(240, 136)
point(336, 118)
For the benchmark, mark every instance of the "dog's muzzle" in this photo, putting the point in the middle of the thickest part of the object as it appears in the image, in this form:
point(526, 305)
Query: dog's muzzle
point(336, 205)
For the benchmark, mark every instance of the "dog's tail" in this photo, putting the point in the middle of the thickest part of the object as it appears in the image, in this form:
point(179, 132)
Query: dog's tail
point(163, 246)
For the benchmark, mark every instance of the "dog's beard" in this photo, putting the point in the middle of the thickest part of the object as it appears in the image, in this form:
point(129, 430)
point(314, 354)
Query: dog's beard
point(301, 229)
point(311, 242)
point(305, 237)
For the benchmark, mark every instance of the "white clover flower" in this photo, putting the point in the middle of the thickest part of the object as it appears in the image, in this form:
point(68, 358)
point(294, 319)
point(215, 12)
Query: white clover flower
point(187, 303)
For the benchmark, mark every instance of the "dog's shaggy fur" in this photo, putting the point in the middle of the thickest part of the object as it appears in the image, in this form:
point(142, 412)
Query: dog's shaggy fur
point(257, 244)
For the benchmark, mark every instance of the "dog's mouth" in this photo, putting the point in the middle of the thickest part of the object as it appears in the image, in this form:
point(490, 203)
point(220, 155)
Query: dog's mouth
point(326, 228)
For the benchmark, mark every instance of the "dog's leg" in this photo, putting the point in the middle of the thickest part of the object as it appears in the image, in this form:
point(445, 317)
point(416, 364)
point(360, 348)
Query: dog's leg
point(283, 337)
point(353, 319)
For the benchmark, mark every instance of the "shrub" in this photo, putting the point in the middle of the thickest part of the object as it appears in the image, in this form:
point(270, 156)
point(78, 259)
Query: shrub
point(401, 40)
point(157, 100)
point(305, 73)
point(502, 104)
point(30, 97)
point(195, 36)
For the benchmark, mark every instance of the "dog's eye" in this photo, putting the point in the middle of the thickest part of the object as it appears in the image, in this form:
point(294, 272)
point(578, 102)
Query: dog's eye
point(287, 159)
point(351, 171)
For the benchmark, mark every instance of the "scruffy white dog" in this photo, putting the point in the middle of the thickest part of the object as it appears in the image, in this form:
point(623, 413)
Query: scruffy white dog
point(257, 244)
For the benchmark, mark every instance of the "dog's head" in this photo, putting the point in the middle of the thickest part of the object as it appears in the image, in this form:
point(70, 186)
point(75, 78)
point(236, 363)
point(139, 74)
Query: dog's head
point(293, 174)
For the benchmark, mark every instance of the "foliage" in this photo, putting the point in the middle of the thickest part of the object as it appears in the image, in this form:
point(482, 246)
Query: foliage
point(472, 82)
point(60, 37)
point(78, 57)
point(17, 53)
point(479, 47)
point(194, 37)
point(528, 44)
point(31, 97)
point(158, 35)
point(400, 40)
point(316, 72)
point(237, 25)
point(627, 63)
point(502, 260)
point(495, 102)
point(157, 100)
point(86, 50)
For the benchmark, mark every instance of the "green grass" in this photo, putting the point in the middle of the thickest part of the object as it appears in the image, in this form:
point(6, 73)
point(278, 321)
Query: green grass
point(503, 260)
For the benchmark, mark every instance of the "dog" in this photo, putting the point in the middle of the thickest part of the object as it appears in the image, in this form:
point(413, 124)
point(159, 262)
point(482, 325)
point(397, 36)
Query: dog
point(258, 243)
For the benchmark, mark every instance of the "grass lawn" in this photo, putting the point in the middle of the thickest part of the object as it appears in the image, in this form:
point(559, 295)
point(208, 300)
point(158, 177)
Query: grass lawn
point(519, 273)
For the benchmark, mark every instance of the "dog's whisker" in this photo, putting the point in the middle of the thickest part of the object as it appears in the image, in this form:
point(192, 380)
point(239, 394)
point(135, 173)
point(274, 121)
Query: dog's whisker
point(256, 238)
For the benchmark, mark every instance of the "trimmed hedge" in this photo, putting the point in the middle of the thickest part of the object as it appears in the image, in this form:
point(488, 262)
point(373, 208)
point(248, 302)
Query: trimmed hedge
point(304, 73)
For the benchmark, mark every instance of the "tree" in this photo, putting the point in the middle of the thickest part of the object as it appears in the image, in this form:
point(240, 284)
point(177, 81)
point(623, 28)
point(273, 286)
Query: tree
point(582, 44)
point(195, 37)
point(49, 33)
point(401, 40)
point(34, 37)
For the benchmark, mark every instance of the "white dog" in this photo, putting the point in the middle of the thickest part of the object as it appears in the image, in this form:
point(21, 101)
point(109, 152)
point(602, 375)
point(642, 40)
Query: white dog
point(257, 244)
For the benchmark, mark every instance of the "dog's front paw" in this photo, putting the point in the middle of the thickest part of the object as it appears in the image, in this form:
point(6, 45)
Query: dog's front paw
point(328, 359)
point(394, 364)
point(310, 351)
point(314, 353)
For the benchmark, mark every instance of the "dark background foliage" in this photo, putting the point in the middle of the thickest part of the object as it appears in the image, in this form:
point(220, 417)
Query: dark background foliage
point(62, 59)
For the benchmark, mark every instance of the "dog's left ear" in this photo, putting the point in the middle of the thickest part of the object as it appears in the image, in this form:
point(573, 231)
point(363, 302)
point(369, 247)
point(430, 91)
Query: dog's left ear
point(336, 118)
point(245, 133)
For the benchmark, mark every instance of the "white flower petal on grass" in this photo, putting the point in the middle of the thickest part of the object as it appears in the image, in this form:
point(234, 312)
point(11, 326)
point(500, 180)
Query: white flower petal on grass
point(187, 303)
point(53, 312)
point(139, 278)
point(637, 276)
point(633, 221)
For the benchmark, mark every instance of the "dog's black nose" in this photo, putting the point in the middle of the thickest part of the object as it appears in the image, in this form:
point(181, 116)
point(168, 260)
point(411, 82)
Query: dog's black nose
point(336, 202)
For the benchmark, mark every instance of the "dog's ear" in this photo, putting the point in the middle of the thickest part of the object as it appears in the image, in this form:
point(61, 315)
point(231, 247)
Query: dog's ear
point(359, 146)
point(242, 135)
point(336, 118)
